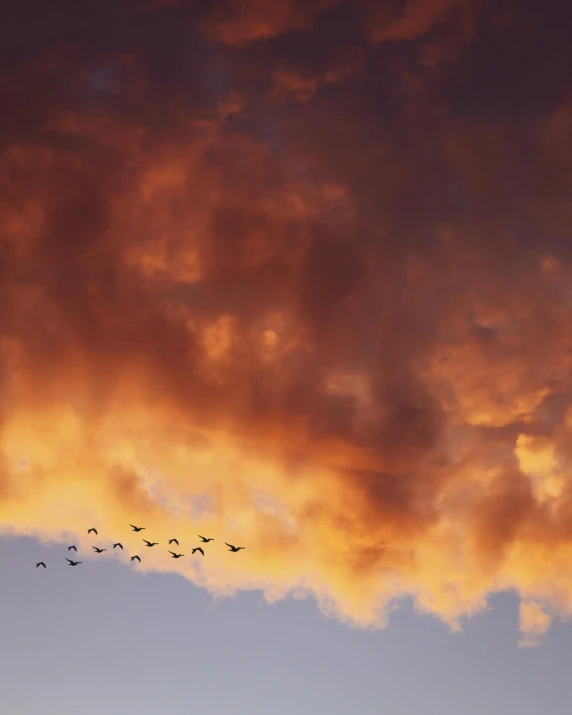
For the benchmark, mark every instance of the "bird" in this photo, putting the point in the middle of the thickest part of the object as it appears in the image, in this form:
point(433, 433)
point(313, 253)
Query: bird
point(175, 556)
point(73, 563)
point(171, 541)
point(118, 544)
point(98, 551)
point(234, 548)
point(151, 543)
point(136, 528)
point(94, 531)
point(40, 563)
point(205, 541)
point(198, 548)
point(72, 548)
point(135, 557)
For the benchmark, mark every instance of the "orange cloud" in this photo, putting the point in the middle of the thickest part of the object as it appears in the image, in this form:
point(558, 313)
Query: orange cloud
point(243, 21)
point(336, 331)
point(417, 19)
point(290, 82)
point(534, 622)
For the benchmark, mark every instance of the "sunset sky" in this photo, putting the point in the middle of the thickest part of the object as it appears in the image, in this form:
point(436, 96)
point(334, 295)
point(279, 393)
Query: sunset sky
point(297, 275)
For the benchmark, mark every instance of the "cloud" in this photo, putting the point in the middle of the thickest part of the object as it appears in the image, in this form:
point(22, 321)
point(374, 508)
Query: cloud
point(242, 21)
point(334, 330)
point(416, 20)
point(534, 622)
point(437, 30)
point(291, 82)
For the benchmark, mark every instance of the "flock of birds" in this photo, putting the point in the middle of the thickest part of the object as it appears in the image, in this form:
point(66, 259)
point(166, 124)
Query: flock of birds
point(149, 544)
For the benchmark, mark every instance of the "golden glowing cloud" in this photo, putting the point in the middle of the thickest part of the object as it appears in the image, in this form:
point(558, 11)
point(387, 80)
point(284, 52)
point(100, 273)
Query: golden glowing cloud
point(336, 330)
point(534, 622)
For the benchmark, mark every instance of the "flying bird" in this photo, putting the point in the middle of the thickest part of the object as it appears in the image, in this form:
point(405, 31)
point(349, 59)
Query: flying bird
point(136, 528)
point(73, 563)
point(135, 557)
point(72, 548)
point(205, 541)
point(151, 543)
point(234, 548)
point(98, 551)
point(198, 548)
point(173, 541)
point(40, 563)
point(94, 531)
point(175, 556)
point(118, 544)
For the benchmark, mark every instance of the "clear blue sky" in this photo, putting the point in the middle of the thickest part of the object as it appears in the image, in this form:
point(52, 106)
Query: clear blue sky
point(102, 639)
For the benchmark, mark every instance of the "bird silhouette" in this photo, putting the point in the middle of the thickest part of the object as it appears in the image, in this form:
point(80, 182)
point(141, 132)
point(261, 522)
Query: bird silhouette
point(204, 540)
point(118, 544)
point(151, 543)
point(135, 557)
point(234, 548)
point(175, 556)
point(40, 563)
point(98, 551)
point(94, 531)
point(73, 563)
point(173, 541)
point(198, 548)
point(137, 528)
point(72, 548)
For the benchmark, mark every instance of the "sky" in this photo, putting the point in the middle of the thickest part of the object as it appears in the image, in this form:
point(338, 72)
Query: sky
point(294, 275)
